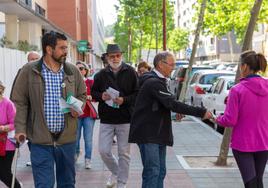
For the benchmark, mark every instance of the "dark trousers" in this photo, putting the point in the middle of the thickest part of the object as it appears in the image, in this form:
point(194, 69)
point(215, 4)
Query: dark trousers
point(153, 158)
point(5, 169)
point(251, 166)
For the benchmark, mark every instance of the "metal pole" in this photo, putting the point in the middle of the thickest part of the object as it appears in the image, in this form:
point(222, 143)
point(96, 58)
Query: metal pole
point(164, 26)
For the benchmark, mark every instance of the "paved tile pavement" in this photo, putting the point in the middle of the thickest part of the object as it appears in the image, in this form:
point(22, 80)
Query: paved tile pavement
point(190, 139)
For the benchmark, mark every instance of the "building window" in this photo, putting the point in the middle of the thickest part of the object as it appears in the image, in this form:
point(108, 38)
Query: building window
point(27, 2)
point(39, 10)
point(184, 13)
point(212, 41)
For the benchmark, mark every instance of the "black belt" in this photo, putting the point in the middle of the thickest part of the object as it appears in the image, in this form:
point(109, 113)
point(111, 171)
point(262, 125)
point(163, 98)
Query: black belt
point(55, 135)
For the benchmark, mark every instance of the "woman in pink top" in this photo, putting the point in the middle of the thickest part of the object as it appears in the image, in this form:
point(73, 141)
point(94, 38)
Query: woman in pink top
point(7, 111)
point(246, 111)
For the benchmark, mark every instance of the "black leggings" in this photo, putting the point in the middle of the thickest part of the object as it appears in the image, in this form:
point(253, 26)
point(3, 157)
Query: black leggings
point(251, 166)
point(5, 170)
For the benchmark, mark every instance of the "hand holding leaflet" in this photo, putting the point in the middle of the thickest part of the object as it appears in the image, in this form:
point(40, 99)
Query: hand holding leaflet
point(71, 102)
point(114, 94)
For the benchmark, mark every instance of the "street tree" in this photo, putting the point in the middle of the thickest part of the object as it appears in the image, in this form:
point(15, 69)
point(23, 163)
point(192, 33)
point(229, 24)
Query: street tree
point(138, 24)
point(222, 158)
point(194, 48)
point(178, 40)
point(226, 16)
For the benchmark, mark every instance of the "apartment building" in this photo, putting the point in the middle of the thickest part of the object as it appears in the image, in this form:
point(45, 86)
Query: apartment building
point(27, 20)
point(78, 18)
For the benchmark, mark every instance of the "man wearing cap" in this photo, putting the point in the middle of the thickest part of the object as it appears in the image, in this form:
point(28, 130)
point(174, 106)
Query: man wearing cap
point(115, 119)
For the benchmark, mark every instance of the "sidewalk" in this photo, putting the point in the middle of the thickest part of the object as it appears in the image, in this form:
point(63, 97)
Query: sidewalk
point(191, 138)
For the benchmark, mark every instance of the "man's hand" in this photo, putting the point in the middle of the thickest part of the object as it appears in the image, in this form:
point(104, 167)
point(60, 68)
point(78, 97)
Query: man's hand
point(179, 117)
point(105, 96)
point(74, 113)
point(208, 115)
point(119, 100)
point(89, 97)
point(20, 137)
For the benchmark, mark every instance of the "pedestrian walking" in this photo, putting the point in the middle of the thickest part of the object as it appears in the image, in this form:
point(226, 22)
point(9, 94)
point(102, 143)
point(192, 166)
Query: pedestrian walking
point(32, 56)
point(87, 120)
point(150, 124)
point(37, 93)
point(115, 88)
point(143, 67)
point(246, 112)
point(7, 147)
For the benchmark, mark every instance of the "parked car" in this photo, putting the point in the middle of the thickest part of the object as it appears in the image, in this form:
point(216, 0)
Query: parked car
point(180, 63)
point(201, 82)
point(177, 78)
point(216, 97)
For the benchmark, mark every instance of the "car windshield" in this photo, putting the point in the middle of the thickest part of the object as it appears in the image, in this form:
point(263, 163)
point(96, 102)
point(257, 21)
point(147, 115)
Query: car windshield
point(210, 78)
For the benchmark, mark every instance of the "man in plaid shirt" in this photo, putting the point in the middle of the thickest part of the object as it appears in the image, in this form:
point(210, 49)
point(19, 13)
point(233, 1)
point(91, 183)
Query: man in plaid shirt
point(36, 94)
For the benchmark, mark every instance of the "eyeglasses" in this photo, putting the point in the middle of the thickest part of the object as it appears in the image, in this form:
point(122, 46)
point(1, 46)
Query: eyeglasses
point(170, 65)
point(81, 68)
point(113, 56)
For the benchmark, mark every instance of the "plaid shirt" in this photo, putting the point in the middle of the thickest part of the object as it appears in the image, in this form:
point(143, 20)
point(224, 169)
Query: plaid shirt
point(54, 116)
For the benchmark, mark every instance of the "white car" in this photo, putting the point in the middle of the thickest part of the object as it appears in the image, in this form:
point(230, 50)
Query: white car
point(201, 82)
point(216, 98)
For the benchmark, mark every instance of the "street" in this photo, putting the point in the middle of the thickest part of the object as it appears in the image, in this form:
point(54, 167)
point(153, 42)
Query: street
point(191, 138)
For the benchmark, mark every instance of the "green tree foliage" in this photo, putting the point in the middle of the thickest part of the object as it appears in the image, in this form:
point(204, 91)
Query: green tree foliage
point(178, 40)
point(222, 17)
point(25, 46)
point(138, 22)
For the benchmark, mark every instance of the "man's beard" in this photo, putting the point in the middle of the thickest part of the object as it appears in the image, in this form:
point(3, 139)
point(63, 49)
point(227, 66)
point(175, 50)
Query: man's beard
point(60, 59)
point(115, 65)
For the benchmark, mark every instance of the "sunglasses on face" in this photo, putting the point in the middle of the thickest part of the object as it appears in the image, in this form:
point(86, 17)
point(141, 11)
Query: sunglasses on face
point(81, 68)
point(115, 56)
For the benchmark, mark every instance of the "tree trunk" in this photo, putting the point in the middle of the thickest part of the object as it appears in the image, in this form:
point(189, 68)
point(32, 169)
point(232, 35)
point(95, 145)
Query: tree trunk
point(230, 41)
point(129, 42)
point(192, 58)
point(222, 158)
point(140, 51)
point(247, 44)
point(151, 38)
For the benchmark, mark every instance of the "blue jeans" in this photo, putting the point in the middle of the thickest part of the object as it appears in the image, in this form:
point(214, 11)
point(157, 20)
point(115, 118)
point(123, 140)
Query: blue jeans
point(43, 158)
point(87, 124)
point(153, 158)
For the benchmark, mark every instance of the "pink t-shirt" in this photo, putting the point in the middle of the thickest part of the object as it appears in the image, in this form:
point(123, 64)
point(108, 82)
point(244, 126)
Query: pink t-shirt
point(7, 116)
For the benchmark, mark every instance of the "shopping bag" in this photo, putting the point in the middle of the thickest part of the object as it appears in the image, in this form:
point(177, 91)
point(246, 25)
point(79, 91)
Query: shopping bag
point(92, 111)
